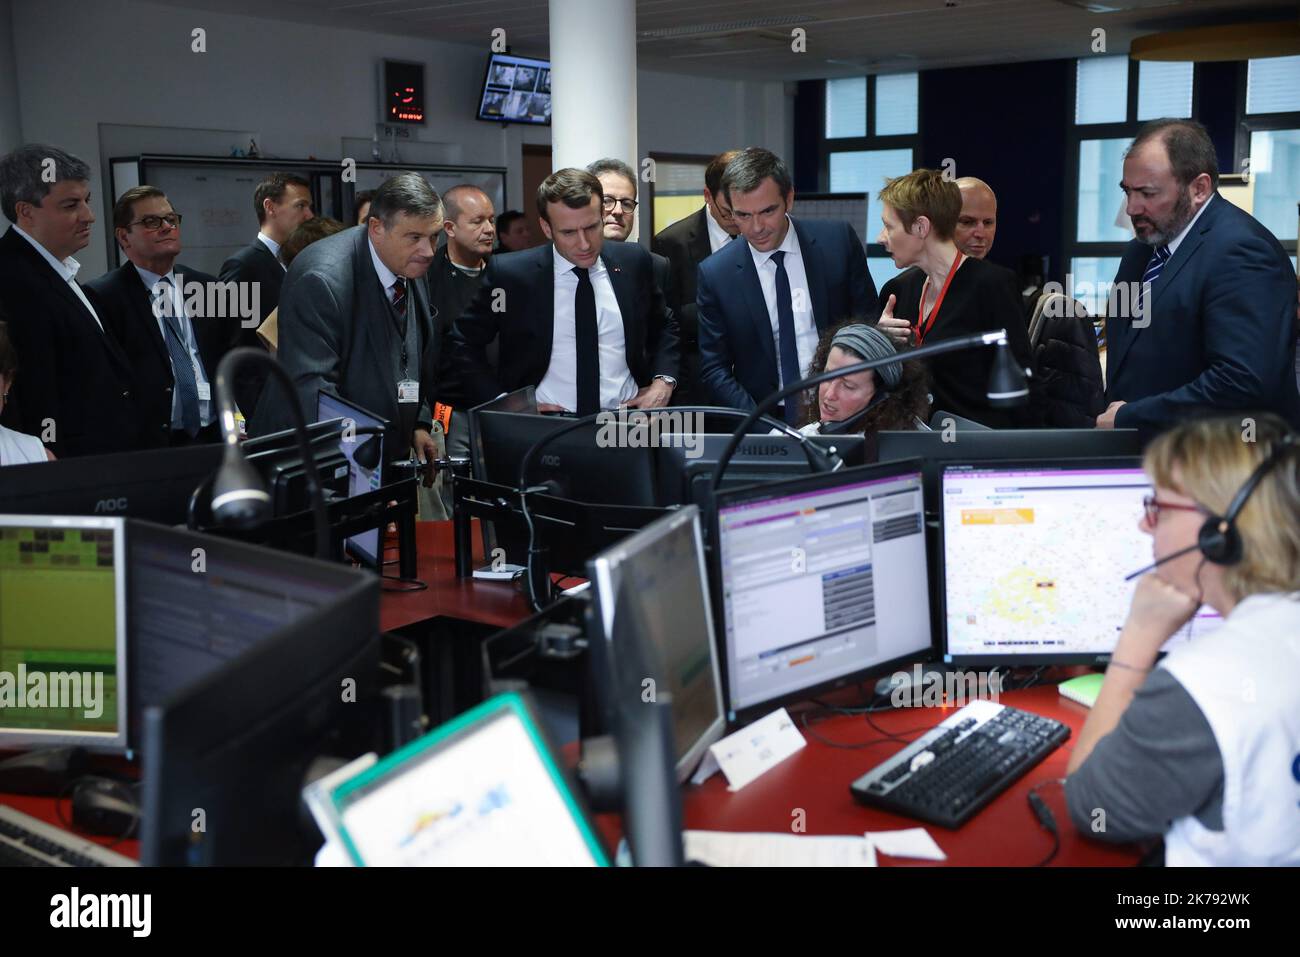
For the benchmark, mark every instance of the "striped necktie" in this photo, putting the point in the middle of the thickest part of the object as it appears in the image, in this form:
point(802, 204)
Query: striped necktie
point(399, 296)
point(1159, 257)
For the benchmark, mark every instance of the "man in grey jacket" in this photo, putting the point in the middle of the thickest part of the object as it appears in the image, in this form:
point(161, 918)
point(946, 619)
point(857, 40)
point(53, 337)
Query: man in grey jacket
point(355, 319)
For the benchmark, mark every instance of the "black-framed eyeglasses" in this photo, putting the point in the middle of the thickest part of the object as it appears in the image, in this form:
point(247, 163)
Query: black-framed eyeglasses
point(1152, 506)
point(156, 222)
point(609, 202)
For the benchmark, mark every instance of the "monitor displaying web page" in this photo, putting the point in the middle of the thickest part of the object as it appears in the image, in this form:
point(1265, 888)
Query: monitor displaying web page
point(822, 581)
point(1034, 559)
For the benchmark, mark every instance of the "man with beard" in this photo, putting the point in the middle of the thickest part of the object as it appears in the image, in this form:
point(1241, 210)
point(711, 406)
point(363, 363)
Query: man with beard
point(1202, 315)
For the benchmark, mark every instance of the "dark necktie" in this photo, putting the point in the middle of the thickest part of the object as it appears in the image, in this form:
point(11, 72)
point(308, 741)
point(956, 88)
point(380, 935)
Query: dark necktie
point(182, 364)
point(399, 296)
point(1159, 256)
point(587, 344)
point(787, 348)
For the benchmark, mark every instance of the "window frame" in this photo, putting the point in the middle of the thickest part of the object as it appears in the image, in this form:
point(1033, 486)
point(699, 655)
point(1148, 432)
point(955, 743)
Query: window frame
point(868, 143)
point(1076, 134)
point(1248, 123)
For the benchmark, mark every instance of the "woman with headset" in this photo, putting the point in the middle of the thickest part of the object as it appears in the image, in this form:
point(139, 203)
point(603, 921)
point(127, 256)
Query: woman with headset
point(894, 397)
point(1204, 747)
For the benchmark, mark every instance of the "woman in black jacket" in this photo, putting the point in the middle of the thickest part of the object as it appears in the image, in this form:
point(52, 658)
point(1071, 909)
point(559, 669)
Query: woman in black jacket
point(947, 295)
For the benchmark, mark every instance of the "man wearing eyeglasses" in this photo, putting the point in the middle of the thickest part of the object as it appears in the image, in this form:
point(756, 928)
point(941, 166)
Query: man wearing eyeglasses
point(618, 180)
point(147, 304)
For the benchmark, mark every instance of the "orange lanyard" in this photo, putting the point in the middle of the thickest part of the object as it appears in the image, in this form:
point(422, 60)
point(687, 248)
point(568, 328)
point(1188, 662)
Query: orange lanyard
point(923, 326)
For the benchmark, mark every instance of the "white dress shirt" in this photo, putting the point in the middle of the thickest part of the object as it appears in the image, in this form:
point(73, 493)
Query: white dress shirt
point(185, 324)
point(560, 384)
point(272, 245)
point(67, 270)
point(805, 328)
point(718, 237)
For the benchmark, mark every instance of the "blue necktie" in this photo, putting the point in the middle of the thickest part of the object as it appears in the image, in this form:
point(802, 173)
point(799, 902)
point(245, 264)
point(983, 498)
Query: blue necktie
point(1159, 257)
point(182, 364)
point(787, 348)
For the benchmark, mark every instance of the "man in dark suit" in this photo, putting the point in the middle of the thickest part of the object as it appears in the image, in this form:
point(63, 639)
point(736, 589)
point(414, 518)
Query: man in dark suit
point(283, 203)
point(618, 206)
point(151, 306)
point(764, 303)
point(75, 387)
point(355, 319)
point(1202, 316)
point(685, 244)
point(581, 319)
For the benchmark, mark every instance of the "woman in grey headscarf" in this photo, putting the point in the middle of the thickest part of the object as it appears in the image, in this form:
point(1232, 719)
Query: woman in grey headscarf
point(894, 397)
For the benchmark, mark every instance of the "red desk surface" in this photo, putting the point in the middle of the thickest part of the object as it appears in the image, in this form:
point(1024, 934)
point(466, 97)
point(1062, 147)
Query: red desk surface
point(43, 809)
point(490, 603)
point(816, 780)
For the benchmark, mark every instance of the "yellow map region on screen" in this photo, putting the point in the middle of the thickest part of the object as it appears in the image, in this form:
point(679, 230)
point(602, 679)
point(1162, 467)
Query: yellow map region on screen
point(57, 590)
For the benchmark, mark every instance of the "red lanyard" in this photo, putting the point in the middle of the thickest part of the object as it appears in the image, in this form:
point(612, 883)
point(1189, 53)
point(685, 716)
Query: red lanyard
point(923, 326)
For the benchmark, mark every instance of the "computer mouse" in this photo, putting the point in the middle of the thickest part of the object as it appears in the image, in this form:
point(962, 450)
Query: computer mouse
point(104, 807)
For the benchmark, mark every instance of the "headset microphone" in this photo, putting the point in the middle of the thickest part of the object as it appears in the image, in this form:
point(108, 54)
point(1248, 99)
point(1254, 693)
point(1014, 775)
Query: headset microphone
point(1156, 564)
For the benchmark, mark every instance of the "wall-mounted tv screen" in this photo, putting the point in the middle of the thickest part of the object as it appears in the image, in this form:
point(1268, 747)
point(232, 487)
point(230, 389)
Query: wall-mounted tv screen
point(516, 89)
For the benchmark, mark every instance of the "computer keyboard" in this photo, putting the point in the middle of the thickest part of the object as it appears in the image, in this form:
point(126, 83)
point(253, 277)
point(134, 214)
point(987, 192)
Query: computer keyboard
point(27, 842)
point(956, 768)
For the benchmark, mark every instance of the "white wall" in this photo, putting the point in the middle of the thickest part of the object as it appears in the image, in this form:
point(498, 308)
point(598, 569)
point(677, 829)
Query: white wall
point(92, 78)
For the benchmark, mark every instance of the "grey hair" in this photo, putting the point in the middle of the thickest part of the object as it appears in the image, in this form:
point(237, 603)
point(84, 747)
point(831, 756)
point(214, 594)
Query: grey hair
point(21, 179)
point(746, 172)
point(408, 193)
point(611, 165)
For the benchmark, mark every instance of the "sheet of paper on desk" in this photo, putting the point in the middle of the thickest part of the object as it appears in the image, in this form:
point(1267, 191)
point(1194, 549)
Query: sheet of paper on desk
point(913, 842)
point(727, 849)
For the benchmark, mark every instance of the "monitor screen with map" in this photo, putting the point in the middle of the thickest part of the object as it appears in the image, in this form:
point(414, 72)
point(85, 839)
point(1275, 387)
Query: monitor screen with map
point(1034, 559)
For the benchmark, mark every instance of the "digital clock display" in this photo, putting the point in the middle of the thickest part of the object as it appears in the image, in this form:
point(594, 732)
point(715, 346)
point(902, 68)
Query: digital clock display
point(403, 92)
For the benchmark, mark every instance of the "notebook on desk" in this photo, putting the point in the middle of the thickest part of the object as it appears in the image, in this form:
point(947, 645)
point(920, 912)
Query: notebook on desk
point(1083, 689)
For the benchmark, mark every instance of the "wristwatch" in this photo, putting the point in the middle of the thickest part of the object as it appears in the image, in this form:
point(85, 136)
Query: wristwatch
point(672, 383)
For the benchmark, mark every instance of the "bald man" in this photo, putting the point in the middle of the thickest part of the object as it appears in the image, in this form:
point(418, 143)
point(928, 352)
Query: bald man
point(978, 222)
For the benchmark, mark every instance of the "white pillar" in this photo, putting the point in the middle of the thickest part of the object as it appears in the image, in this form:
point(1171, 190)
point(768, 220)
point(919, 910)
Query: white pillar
point(593, 81)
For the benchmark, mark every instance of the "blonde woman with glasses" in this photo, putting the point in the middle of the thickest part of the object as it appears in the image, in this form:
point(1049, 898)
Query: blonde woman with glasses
point(1203, 747)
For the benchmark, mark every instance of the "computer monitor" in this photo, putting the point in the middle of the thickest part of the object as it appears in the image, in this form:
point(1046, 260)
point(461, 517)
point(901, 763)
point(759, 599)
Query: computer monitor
point(225, 755)
point(819, 582)
point(278, 460)
point(661, 568)
point(63, 675)
point(155, 484)
point(195, 603)
point(365, 463)
point(579, 465)
point(685, 463)
point(486, 789)
point(961, 445)
point(1034, 559)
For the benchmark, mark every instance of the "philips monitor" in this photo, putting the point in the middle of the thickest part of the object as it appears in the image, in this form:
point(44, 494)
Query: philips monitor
point(1034, 559)
point(516, 89)
point(962, 445)
point(820, 582)
point(254, 724)
point(487, 789)
point(685, 462)
point(154, 484)
point(63, 657)
point(364, 453)
point(661, 569)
